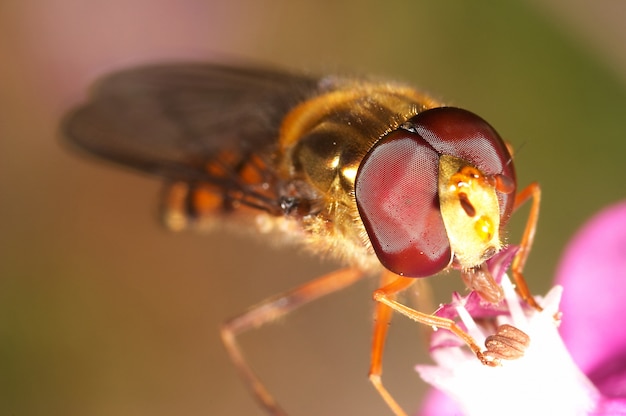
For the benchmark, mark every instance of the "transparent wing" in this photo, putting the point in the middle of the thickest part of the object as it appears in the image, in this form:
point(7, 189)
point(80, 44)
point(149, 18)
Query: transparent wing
point(176, 120)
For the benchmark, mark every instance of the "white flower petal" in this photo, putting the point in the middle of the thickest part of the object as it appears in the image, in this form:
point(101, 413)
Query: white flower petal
point(545, 381)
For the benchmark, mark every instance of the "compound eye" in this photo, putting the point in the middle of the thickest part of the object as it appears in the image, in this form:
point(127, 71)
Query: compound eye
point(396, 191)
point(464, 135)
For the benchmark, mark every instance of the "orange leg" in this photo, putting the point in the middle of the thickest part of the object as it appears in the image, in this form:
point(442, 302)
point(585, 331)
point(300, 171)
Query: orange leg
point(385, 296)
point(531, 191)
point(269, 310)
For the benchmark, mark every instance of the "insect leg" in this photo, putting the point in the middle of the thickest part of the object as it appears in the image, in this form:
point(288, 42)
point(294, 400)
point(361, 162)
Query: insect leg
point(391, 286)
point(271, 309)
point(531, 191)
point(385, 296)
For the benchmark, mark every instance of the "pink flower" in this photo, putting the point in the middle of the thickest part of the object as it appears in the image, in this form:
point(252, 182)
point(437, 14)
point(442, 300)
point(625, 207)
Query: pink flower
point(577, 369)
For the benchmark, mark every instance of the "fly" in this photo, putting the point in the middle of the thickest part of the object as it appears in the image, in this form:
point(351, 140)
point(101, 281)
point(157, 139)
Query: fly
point(376, 174)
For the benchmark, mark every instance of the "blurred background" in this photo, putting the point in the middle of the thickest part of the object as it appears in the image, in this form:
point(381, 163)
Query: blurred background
point(102, 312)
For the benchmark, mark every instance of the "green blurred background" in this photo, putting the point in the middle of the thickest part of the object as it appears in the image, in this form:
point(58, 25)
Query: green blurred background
point(102, 312)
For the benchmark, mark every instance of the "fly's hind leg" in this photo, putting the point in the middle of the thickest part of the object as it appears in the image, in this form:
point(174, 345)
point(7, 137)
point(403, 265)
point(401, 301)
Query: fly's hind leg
point(268, 311)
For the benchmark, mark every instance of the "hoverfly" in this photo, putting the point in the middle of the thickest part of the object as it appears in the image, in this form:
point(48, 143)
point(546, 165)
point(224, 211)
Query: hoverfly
point(376, 174)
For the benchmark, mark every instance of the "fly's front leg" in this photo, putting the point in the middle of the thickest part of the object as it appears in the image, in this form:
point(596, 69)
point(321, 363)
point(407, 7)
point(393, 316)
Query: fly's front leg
point(517, 267)
point(268, 311)
point(391, 286)
point(385, 296)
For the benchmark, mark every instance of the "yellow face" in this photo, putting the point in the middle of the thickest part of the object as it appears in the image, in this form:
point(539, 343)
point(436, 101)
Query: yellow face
point(470, 211)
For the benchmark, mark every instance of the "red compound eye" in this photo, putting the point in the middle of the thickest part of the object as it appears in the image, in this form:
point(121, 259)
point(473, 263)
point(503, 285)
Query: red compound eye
point(396, 193)
point(461, 133)
point(397, 189)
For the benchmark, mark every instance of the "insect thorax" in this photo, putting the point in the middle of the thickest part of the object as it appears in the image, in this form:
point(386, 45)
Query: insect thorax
point(322, 143)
